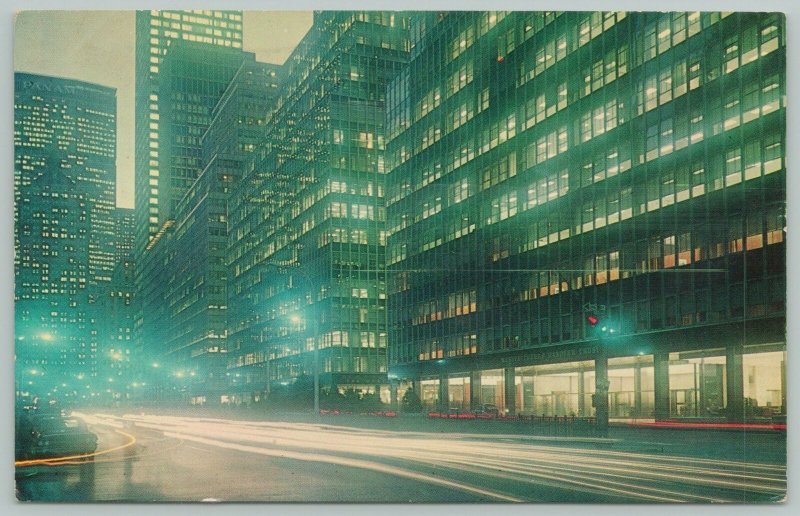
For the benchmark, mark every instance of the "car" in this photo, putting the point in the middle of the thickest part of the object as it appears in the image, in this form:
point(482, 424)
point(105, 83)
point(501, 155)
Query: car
point(58, 436)
point(488, 409)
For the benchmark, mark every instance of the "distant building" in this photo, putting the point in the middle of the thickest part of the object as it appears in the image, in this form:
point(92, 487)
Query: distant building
point(156, 31)
point(197, 291)
point(64, 195)
point(306, 269)
point(590, 203)
point(116, 352)
point(192, 78)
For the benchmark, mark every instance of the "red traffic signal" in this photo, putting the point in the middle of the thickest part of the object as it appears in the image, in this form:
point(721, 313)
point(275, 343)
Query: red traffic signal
point(592, 320)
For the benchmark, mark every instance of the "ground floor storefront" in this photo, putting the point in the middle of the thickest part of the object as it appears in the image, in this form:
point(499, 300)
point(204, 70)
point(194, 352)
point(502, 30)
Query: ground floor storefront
point(727, 383)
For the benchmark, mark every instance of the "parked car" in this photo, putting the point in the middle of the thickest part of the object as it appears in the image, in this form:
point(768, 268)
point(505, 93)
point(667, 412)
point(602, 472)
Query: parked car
point(489, 409)
point(58, 436)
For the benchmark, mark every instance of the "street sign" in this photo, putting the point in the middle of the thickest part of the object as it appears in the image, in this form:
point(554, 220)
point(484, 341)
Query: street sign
point(592, 307)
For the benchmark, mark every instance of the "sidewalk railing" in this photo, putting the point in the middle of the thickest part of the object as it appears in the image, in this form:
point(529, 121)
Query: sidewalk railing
point(544, 425)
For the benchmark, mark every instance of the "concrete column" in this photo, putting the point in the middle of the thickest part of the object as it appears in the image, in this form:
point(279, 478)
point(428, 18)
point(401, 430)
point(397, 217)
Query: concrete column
point(735, 380)
point(444, 401)
point(510, 393)
point(582, 393)
point(394, 403)
point(637, 390)
point(601, 391)
point(475, 390)
point(661, 387)
point(783, 386)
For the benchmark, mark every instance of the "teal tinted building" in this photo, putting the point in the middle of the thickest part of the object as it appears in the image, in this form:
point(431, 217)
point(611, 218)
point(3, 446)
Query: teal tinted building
point(64, 182)
point(548, 167)
point(306, 264)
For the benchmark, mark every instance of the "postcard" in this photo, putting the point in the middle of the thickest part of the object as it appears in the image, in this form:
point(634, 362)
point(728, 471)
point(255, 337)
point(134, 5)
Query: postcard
point(400, 256)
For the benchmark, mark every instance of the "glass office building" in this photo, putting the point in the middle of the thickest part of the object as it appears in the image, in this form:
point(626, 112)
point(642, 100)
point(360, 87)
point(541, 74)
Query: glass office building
point(587, 204)
point(197, 292)
point(307, 221)
point(156, 31)
point(64, 182)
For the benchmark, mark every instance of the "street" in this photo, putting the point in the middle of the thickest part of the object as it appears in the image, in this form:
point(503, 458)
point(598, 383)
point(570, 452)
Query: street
point(150, 457)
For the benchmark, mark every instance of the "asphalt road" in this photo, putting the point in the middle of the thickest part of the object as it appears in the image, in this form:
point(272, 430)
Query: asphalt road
point(181, 458)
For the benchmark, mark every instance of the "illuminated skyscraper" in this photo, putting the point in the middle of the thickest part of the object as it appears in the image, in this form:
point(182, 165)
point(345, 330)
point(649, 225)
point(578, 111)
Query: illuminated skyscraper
point(156, 31)
point(64, 178)
point(590, 204)
point(307, 218)
point(197, 326)
point(184, 61)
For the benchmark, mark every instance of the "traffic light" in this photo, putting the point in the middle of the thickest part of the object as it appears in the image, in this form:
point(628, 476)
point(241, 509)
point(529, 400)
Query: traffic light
point(600, 327)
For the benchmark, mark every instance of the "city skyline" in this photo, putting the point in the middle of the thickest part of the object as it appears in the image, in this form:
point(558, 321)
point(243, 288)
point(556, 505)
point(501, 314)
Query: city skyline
point(45, 45)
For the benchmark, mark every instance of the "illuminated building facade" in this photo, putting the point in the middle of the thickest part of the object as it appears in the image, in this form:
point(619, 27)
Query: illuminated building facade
point(115, 350)
point(306, 265)
point(192, 78)
point(156, 31)
point(64, 180)
point(197, 290)
point(548, 169)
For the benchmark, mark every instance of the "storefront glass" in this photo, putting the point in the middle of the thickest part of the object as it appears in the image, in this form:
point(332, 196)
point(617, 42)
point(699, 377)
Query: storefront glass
point(459, 393)
point(492, 382)
point(429, 392)
point(631, 387)
point(697, 384)
point(764, 383)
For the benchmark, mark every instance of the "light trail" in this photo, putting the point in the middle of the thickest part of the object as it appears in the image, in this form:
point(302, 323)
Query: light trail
point(70, 459)
point(344, 461)
point(629, 475)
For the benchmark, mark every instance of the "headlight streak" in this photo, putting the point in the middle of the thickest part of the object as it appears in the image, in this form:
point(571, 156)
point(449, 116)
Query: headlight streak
point(58, 461)
point(630, 474)
point(344, 461)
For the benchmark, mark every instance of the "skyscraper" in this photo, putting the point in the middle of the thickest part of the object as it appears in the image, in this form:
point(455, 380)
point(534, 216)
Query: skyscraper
point(156, 31)
point(176, 89)
point(197, 292)
point(590, 204)
point(307, 286)
point(64, 140)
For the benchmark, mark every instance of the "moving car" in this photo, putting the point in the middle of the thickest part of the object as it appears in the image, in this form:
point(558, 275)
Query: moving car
point(58, 436)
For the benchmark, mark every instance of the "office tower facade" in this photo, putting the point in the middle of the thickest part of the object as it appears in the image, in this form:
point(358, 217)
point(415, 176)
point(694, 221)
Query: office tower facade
point(586, 214)
point(156, 31)
point(306, 286)
point(116, 352)
point(192, 78)
point(197, 292)
point(64, 178)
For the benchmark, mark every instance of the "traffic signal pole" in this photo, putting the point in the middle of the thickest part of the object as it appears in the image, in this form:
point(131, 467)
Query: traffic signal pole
point(601, 390)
